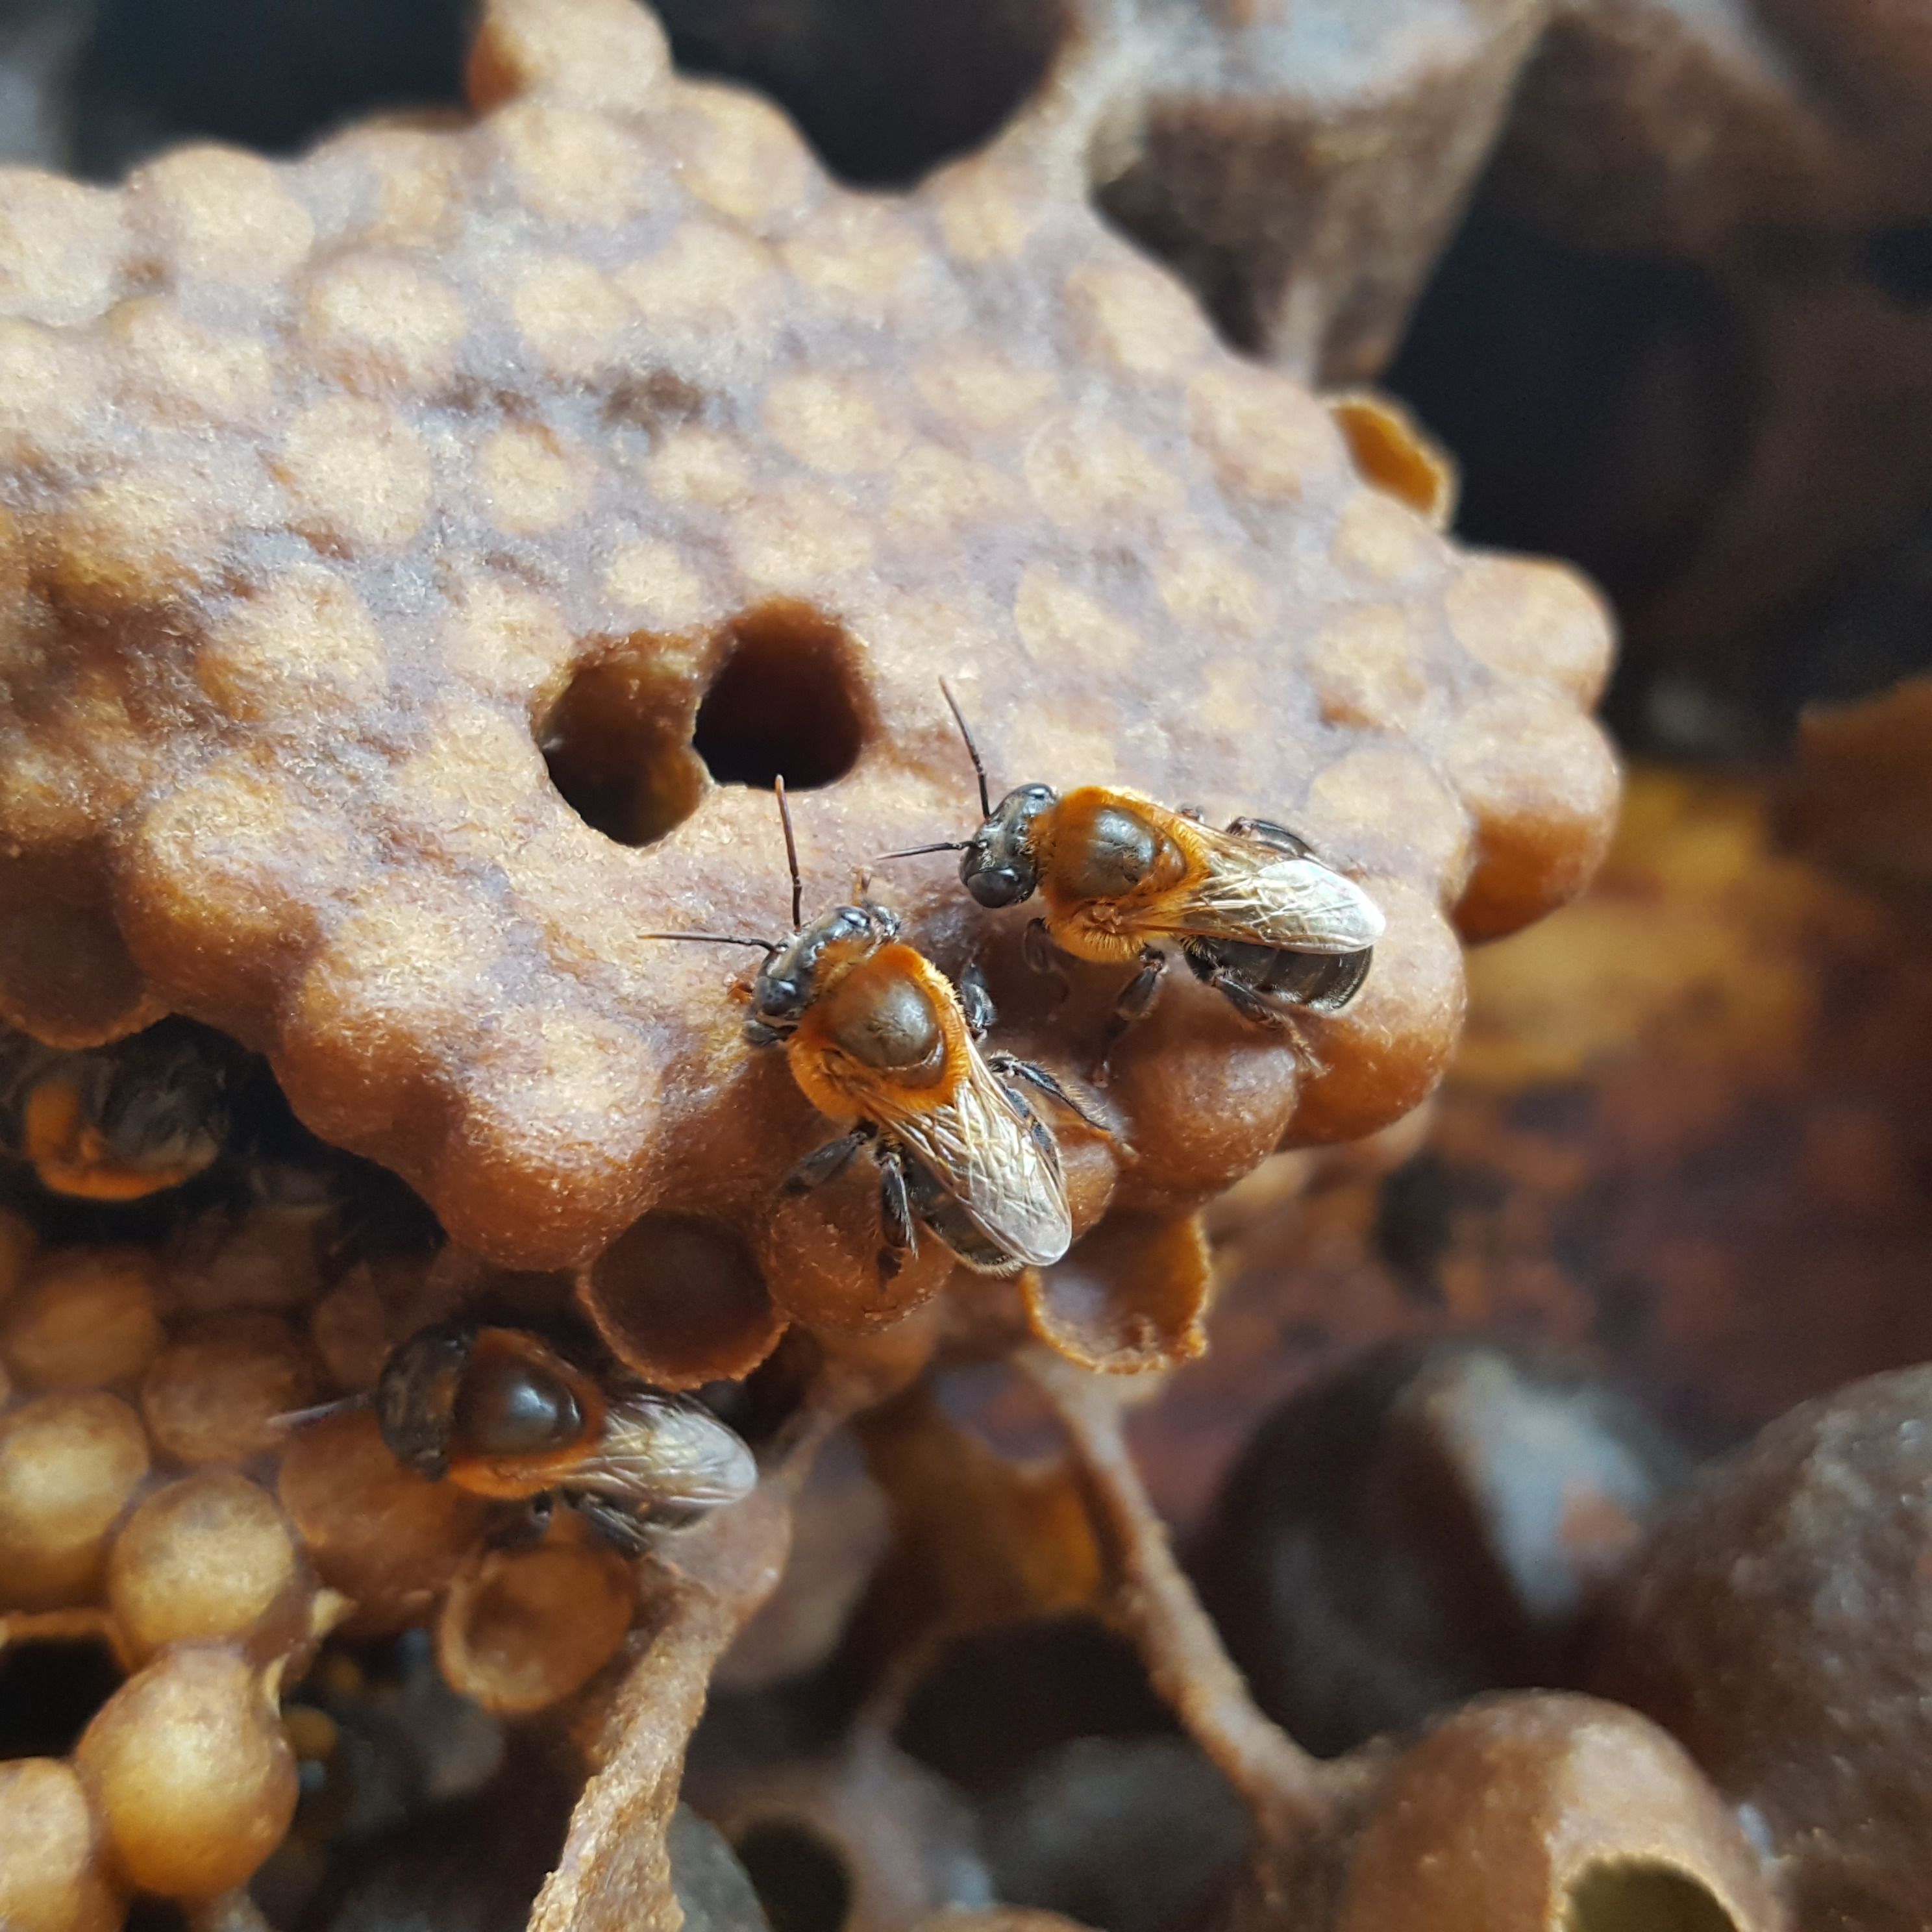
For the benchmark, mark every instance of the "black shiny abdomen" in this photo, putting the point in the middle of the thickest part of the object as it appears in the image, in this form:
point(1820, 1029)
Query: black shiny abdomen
point(1324, 982)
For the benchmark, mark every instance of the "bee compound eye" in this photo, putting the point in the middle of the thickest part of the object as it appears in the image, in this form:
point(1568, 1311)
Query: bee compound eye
point(515, 1408)
point(994, 887)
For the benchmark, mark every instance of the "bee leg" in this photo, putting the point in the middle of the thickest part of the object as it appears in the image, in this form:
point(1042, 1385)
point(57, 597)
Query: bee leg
point(1133, 1005)
point(895, 1212)
point(825, 1163)
point(1245, 999)
point(530, 1525)
point(611, 1521)
point(975, 1001)
point(1042, 956)
point(1036, 1129)
point(1269, 833)
point(1008, 1067)
point(1193, 811)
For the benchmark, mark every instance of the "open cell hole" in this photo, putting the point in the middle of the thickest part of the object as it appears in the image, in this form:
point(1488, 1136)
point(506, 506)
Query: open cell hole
point(1631, 1896)
point(786, 702)
point(617, 743)
point(681, 1299)
point(801, 1880)
point(48, 1693)
point(883, 89)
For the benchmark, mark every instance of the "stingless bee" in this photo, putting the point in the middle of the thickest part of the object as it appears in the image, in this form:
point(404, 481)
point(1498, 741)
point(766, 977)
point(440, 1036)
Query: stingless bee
point(1256, 915)
point(114, 1123)
point(500, 1412)
point(877, 1037)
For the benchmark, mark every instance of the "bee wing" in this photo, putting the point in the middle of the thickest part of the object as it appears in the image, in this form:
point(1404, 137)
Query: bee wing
point(657, 1450)
point(982, 1150)
point(1262, 896)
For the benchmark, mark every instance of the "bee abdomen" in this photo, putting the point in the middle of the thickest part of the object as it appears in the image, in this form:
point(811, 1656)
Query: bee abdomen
point(1324, 982)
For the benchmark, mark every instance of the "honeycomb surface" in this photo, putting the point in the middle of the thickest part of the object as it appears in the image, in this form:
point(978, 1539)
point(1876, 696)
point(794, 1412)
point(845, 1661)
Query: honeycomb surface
point(152, 1504)
point(376, 527)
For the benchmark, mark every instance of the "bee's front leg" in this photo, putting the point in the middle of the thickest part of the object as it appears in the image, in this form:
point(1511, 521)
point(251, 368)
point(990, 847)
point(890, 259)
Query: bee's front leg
point(825, 1163)
point(896, 1225)
point(1133, 1005)
point(975, 1001)
point(1042, 956)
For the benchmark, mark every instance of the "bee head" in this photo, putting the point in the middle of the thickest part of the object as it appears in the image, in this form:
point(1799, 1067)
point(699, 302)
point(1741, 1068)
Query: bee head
point(166, 1116)
point(795, 975)
point(1000, 868)
point(415, 1396)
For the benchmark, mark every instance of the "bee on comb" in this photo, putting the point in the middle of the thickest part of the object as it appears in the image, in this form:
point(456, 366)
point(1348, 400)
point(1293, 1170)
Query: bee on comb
point(881, 1042)
point(501, 1412)
point(1255, 913)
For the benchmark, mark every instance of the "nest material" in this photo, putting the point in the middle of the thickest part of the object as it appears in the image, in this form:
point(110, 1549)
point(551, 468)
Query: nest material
point(418, 555)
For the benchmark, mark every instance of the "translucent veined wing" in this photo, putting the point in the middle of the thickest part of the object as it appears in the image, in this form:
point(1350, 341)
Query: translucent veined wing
point(976, 1143)
point(657, 1449)
point(1264, 896)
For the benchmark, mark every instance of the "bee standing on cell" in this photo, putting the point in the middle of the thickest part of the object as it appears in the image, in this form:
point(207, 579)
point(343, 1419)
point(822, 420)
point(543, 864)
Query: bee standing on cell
point(1256, 915)
point(501, 1413)
point(877, 1037)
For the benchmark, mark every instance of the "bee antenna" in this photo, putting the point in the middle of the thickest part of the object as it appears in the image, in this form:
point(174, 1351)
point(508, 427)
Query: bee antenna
point(918, 851)
point(300, 1418)
point(972, 751)
point(791, 855)
point(766, 946)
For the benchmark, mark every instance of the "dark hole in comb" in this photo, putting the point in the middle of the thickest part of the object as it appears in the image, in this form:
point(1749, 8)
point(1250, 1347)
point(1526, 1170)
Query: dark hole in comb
point(801, 1879)
point(786, 703)
point(883, 89)
point(616, 745)
point(49, 1692)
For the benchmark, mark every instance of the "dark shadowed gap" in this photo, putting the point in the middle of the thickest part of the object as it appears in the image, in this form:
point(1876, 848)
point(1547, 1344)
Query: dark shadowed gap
point(801, 1881)
point(49, 1692)
point(272, 74)
point(884, 90)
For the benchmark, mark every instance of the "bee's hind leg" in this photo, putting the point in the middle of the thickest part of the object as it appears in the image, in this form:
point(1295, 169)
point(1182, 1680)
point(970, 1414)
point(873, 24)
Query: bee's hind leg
point(1263, 1012)
point(896, 1227)
point(1243, 998)
point(1010, 1067)
point(1135, 1001)
point(825, 1163)
point(1269, 833)
point(612, 1522)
